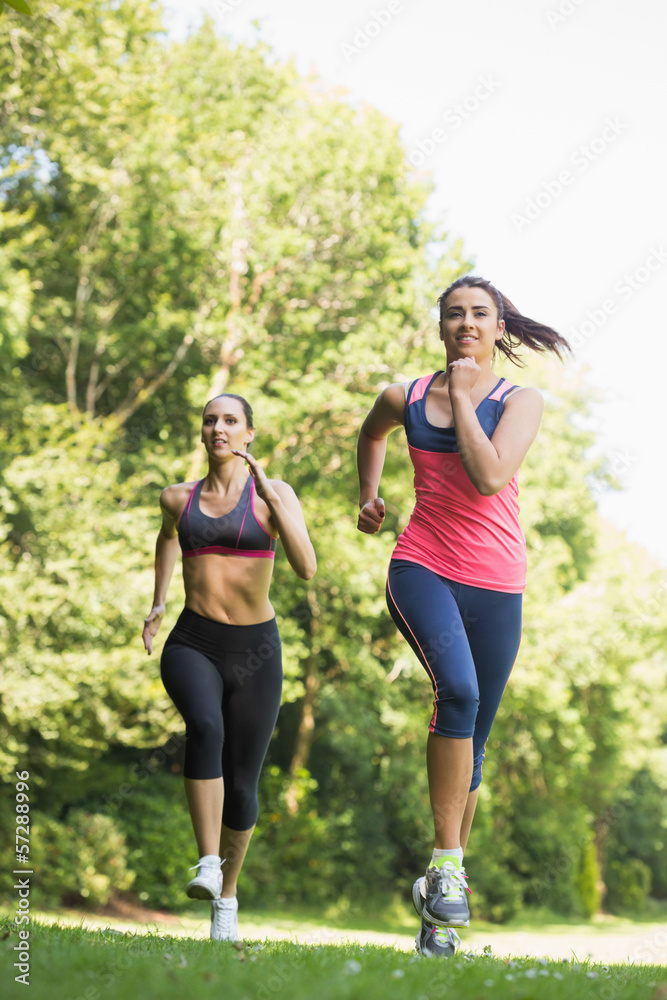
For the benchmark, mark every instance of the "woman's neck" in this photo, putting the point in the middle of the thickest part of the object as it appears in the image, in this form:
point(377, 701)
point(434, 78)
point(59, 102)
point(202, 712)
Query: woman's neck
point(226, 474)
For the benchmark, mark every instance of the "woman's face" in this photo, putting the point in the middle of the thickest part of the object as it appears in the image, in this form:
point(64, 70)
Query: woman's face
point(469, 324)
point(224, 427)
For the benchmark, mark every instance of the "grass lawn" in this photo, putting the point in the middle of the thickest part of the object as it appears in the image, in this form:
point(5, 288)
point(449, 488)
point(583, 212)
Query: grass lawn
point(87, 963)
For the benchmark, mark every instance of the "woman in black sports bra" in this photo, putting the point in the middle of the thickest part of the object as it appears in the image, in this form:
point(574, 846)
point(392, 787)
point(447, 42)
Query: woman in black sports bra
point(221, 664)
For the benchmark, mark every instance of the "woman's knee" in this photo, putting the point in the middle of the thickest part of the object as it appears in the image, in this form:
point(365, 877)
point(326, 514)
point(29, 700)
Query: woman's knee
point(456, 707)
point(204, 737)
point(241, 807)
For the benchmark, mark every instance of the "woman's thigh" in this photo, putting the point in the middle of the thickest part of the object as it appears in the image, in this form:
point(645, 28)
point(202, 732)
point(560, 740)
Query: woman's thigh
point(426, 613)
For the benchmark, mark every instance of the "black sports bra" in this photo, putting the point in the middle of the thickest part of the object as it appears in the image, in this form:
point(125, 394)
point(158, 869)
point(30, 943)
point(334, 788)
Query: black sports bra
point(237, 533)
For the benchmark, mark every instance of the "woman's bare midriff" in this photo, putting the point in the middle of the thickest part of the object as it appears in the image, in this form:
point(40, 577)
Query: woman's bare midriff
point(229, 589)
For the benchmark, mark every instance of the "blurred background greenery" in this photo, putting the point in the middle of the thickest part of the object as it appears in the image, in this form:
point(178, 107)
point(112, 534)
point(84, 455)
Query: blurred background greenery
point(182, 217)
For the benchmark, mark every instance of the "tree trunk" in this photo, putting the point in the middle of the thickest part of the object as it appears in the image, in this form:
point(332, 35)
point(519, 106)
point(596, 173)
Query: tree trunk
point(601, 834)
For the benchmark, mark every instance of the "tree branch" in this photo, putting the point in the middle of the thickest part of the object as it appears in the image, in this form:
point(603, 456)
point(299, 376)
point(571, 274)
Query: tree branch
point(141, 393)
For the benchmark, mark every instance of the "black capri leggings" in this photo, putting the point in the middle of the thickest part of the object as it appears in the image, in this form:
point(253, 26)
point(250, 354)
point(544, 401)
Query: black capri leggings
point(226, 681)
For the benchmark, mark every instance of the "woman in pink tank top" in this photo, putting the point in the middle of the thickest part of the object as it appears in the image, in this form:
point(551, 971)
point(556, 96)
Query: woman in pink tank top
point(457, 573)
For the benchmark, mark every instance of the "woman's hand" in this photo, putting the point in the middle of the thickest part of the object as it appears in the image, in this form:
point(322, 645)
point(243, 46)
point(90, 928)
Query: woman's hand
point(264, 488)
point(463, 373)
point(286, 518)
point(151, 627)
point(371, 516)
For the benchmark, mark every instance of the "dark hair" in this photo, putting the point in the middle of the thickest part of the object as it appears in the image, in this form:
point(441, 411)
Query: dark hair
point(247, 408)
point(519, 329)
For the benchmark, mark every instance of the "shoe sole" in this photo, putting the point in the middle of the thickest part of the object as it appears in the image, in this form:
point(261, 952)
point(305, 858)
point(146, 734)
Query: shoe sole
point(444, 923)
point(213, 938)
point(200, 892)
point(223, 939)
point(417, 898)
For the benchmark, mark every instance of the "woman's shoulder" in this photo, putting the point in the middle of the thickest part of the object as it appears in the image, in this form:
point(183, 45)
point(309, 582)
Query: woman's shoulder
point(526, 395)
point(523, 403)
point(174, 498)
point(392, 399)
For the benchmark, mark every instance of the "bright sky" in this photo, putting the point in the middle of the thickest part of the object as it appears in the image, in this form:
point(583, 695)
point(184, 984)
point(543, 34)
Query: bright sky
point(542, 124)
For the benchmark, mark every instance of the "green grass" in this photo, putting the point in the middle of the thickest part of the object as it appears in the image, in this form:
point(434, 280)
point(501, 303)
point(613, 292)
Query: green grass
point(73, 963)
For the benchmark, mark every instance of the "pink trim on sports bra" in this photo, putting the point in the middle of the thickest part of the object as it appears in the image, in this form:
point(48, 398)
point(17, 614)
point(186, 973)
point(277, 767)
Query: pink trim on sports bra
point(227, 551)
point(252, 486)
point(186, 509)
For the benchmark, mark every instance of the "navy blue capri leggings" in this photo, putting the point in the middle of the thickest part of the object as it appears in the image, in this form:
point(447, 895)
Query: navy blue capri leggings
point(467, 639)
point(226, 681)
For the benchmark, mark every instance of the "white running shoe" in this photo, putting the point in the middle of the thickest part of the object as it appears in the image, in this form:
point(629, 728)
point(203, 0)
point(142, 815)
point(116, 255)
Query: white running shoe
point(224, 919)
point(207, 883)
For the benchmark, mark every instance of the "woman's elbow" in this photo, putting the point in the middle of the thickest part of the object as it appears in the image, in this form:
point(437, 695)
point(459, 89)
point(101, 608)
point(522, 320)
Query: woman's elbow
point(309, 570)
point(306, 568)
point(489, 487)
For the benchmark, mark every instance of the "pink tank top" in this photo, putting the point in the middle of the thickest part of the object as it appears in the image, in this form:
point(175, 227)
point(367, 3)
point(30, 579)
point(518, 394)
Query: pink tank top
point(454, 530)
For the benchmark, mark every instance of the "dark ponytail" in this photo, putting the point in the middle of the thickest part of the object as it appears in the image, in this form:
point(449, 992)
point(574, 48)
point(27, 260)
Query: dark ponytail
point(519, 329)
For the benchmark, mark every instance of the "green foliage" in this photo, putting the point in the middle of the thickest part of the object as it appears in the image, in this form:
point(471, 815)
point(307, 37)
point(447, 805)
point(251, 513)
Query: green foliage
point(69, 535)
point(298, 856)
point(638, 828)
point(82, 861)
point(19, 5)
point(160, 845)
point(628, 886)
point(588, 879)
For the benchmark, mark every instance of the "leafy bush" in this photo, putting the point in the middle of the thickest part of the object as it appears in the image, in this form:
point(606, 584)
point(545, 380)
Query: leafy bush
point(82, 861)
point(301, 857)
point(160, 842)
point(628, 886)
point(587, 880)
point(496, 892)
point(638, 828)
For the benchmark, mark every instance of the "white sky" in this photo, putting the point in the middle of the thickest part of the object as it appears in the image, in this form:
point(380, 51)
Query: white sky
point(561, 102)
